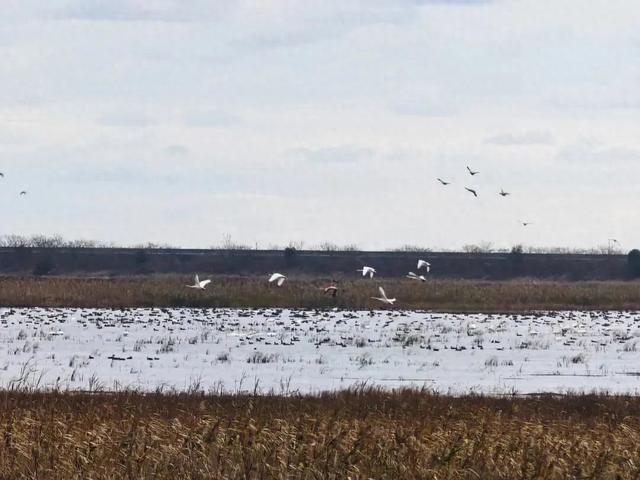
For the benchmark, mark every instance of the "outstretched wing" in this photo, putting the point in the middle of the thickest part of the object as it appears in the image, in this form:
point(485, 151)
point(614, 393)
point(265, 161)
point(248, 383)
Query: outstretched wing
point(381, 290)
point(274, 277)
point(281, 280)
point(197, 280)
point(204, 283)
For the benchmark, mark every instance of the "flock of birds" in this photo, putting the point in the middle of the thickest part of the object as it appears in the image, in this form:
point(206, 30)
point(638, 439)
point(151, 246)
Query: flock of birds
point(279, 279)
point(474, 192)
point(22, 192)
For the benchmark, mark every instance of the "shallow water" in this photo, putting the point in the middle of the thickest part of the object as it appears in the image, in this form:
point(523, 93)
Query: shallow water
point(288, 351)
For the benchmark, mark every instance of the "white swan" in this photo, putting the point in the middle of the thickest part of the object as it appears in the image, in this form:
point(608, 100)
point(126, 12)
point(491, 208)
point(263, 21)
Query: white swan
point(424, 263)
point(278, 278)
point(199, 284)
point(383, 297)
point(367, 271)
point(413, 276)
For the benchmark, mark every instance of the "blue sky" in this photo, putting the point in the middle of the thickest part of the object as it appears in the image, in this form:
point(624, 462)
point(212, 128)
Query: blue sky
point(278, 120)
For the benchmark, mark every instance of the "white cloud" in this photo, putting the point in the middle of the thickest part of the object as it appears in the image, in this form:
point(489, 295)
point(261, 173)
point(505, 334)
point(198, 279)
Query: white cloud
point(522, 138)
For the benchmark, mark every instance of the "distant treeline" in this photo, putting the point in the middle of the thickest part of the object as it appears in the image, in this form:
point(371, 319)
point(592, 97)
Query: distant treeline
point(227, 243)
point(65, 261)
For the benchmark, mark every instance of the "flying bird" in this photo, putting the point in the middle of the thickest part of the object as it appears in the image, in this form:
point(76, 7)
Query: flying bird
point(278, 278)
point(424, 263)
point(383, 297)
point(413, 276)
point(475, 194)
point(23, 192)
point(331, 290)
point(472, 172)
point(1, 175)
point(526, 224)
point(503, 193)
point(367, 271)
point(443, 182)
point(199, 284)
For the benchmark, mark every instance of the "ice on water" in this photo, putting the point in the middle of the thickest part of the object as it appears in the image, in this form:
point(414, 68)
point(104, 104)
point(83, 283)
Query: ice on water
point(308, 351)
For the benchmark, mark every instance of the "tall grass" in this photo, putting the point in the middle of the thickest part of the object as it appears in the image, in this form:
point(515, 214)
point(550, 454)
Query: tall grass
point(362, 433)
point(451, 295)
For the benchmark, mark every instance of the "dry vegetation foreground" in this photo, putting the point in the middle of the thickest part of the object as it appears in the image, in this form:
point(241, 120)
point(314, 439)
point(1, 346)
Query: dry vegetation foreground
point(305, 292)
point(356, 434)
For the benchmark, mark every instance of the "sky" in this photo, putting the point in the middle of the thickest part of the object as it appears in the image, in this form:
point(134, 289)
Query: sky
point(277, 121)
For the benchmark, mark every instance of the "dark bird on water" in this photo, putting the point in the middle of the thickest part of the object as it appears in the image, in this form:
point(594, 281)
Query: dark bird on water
point(443, 182)
point(503, 193)
point(472, 172)
point(475, 194)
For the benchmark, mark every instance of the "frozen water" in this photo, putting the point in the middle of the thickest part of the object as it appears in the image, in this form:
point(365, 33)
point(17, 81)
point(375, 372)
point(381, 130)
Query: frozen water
point(308, 351)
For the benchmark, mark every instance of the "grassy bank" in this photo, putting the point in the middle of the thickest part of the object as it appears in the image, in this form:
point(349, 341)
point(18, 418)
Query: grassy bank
point(446, 295)
point(358, 434)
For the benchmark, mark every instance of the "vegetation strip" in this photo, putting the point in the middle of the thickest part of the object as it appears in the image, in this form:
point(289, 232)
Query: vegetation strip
point(306, 292)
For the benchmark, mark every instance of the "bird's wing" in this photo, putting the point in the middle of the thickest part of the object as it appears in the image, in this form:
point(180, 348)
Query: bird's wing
point(197, 280)
point(274, 277)
point(204, 283)
point(381, 290)
point(281, 280)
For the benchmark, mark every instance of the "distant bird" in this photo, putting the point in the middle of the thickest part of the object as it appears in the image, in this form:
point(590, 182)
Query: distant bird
point(278, 278)
point(383, 297)
point(23, 192)
point(413, 276)
point(331, 290)
point(424, 263)
point(503, 193)
point(526, 224)
point(1, 174)
point(367, 271)
point(443, 182)
point(471, 172)
point(475, 194)
point(199, 284)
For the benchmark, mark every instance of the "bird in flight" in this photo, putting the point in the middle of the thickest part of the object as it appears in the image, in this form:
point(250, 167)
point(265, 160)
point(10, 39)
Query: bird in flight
point(424, 263)
point(23, 192)
point(503, 193)
point(475, 194)
point(331, 290)
point(472, 172)
point(367, 271)
point(443, 182)
point(383, 297)
point(199, 284)
point(526, 224)
point(413, 276)
point(278, 278)
point(1, 175)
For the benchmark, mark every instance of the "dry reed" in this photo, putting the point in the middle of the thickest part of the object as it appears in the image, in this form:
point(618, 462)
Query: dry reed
point(449, 295)
point(360, 434)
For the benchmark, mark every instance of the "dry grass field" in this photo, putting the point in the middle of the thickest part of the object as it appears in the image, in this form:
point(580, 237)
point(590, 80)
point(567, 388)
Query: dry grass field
point(449, 295)
point(359, 434)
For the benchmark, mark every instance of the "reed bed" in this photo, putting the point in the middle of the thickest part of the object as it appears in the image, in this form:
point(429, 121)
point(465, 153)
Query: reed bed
point(360, 434)
point(306, 292)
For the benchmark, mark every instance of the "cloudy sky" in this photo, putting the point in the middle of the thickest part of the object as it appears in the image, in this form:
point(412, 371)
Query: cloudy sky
point(180, 121)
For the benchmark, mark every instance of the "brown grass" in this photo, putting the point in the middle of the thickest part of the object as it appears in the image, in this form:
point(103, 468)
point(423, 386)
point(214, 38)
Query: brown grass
point(360, 434)
point(448, 295)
